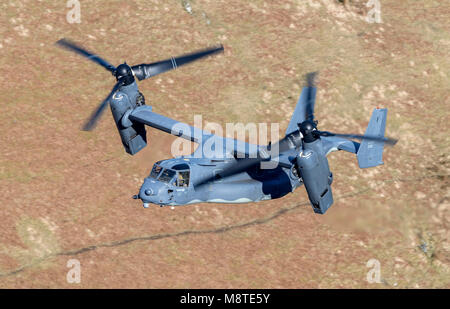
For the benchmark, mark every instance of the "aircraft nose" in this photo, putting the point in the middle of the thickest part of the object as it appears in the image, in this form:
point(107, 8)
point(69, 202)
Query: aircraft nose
point(146, 192)
point(152, 192)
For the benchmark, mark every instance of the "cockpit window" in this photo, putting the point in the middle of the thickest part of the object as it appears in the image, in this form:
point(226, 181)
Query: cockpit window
point(166, 175)
point(180, 167)
point(183, 179)
point(155, 171)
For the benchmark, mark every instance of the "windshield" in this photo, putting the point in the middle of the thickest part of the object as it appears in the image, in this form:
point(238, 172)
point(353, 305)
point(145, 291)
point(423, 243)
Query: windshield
point(155, 171)
point(166, 175)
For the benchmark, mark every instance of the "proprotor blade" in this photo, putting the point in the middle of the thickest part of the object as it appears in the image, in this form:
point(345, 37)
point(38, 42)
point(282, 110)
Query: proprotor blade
point(91, 123)
point(237, 167)
point(144, 71)
point(268, 152)
point(388, 141)
point(311, 98)
point(81, 51)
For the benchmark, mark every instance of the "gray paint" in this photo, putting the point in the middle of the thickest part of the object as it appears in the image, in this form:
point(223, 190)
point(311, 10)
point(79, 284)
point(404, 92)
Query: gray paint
point(306, 164)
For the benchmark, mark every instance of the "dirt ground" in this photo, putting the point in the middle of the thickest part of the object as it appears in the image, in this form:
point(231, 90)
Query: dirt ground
point(66, 194)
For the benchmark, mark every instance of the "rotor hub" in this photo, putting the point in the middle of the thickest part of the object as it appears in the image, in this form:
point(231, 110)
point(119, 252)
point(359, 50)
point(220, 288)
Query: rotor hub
point(125, 74)
point(307, 128)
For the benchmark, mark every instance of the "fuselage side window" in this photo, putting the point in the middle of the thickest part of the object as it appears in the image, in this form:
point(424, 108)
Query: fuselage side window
point(183, 179)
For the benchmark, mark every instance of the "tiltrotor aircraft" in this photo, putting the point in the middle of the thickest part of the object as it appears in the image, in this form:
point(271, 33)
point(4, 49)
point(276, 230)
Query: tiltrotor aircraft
point(236, 172)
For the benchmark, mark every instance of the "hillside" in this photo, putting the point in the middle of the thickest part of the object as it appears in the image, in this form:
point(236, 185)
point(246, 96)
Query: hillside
point(66, 194)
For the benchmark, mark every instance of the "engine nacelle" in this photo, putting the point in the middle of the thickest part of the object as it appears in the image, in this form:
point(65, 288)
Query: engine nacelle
point(133, 135)
point(317, 179)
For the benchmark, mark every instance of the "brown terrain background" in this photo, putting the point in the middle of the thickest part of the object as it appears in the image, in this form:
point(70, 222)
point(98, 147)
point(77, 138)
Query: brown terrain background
point(66, 194)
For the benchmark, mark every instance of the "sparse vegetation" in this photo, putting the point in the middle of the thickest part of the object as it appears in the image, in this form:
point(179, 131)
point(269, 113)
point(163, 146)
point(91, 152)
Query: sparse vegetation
point(66, 192)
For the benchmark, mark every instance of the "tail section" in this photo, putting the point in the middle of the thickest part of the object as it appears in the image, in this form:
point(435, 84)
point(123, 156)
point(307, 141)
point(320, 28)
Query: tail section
point(370, 153)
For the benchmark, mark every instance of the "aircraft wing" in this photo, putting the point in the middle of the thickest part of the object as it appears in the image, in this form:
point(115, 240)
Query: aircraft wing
point(212, 146)
point(144, 114)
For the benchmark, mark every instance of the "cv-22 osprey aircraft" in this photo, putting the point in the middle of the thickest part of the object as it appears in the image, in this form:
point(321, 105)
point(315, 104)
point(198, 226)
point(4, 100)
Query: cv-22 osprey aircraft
point(237, 172)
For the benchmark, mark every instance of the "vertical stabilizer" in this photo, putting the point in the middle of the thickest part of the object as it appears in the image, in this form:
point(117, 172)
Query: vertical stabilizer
point(370, 153)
